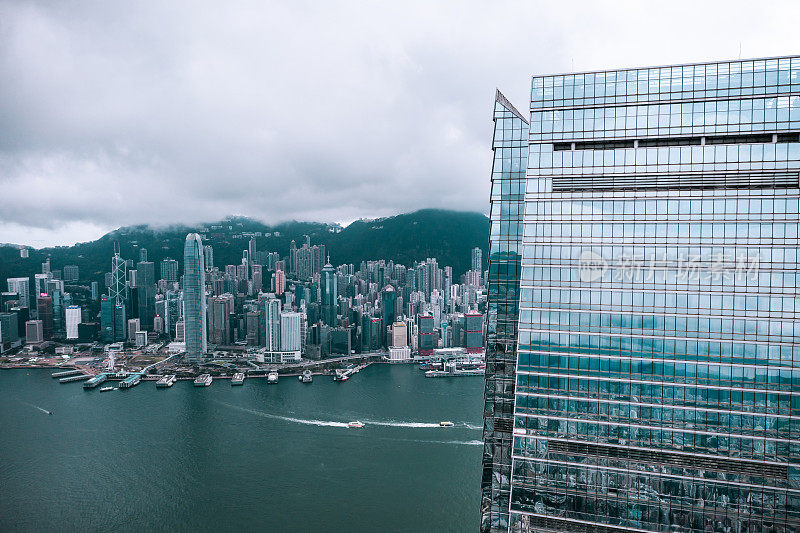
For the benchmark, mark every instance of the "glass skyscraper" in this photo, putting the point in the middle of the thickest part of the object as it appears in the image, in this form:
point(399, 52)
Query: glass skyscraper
point(194, 298)
point(510, 148)
point(655, 382)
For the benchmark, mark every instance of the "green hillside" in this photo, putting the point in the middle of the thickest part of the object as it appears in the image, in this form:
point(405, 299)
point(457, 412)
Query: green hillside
point(449, 236)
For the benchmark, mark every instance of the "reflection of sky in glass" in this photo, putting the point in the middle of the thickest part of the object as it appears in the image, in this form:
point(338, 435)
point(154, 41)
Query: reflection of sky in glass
point(666, 398)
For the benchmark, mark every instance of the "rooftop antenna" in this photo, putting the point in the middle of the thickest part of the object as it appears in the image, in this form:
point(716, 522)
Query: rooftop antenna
point(740, 49)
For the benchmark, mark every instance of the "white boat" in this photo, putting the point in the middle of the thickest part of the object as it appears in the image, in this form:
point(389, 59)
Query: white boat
point(272, 377)
point(238, 379)
point(306, 376)
point(355, 424)
point(106, 389)
point(446, 424)
point(203, 380)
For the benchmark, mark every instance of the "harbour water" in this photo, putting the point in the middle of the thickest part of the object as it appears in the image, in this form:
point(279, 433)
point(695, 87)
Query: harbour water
point(256, 457)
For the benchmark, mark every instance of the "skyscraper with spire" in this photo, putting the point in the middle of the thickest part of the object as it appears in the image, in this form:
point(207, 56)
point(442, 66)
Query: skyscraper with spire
point(329, 298)
point(194, 298)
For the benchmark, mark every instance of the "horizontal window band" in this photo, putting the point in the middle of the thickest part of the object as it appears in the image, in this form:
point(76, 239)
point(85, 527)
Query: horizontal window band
point(728, 465)
point(654, 382)
point(755, 487)
point(701, 180)
point(557, 523)
point(696, 140)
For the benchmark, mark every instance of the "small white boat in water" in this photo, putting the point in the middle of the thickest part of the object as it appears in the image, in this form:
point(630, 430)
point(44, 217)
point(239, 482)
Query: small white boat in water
point(272, 377)
point(106, 389)
point(446, 424)
point(355, 424)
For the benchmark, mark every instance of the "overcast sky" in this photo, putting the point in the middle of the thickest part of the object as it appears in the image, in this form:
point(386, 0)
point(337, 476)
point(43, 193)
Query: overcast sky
point(120, 113)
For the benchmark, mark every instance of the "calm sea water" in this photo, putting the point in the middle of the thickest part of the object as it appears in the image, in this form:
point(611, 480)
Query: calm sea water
point(266, 457)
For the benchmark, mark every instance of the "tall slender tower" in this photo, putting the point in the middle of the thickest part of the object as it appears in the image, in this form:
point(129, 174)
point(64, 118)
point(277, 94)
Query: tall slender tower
point(194, 298)
point(329, 298)
point(118, 291)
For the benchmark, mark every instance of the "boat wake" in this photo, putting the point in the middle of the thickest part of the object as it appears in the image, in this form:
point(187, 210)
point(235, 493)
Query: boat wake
point(37, 407)
point(309, 422)
point(398, 424)
point(331, 423)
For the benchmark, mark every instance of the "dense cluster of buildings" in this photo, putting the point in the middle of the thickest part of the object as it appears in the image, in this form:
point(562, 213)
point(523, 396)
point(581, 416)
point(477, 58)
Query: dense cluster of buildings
point(276, 308)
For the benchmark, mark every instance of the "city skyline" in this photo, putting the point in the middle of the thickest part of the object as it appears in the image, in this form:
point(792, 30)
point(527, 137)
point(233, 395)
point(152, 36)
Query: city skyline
point(215, 103)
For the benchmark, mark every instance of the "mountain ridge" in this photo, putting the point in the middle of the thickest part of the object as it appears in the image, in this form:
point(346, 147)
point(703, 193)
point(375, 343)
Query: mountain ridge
point(447, 235)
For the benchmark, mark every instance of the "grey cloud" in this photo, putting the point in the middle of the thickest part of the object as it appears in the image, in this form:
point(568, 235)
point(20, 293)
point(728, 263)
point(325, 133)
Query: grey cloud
point(146, 112)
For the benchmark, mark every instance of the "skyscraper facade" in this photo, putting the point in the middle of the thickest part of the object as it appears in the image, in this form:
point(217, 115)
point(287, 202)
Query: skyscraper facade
point(44, 306)
point(477, 260)
point(146, 288)
point(194, 298)
point(656, 386)
point(272, 324)
point(118, 290)
point(169, 270)
point(510, 147)
point(328, 293)
point(21, 286)
point(74, 316)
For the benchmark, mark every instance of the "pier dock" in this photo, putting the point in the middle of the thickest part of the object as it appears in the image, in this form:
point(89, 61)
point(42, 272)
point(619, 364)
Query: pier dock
point(79, 377)
point(95, 381)
point(131, 381)
point(65, 373)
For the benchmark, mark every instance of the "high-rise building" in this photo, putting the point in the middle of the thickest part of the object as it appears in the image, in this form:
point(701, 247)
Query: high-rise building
point(510, 146)
point(473, 332)
point(169, 270)
point(655, 376)
point(208, 257)
point(106, 320)
point(21, 286)
point(73, 317)
point(328, 290)
point(427, 335)
point(9, 331)
point(34, 332)
point(272, 324)
point(388, 299)
point(134, 325)
point(71, 273)
point(219, 323)
point(194, 298)
point(146, 289)
point(40, 283)
point(253, 328)
point(290, 332)
point(95, 290)
point(399, 334)
point(252, 250)
point(118, 290)
point(44, 306)
point(477, 260)
point(280, 282)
